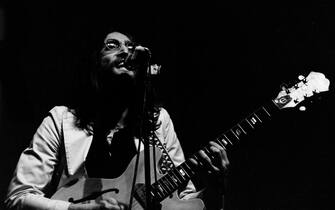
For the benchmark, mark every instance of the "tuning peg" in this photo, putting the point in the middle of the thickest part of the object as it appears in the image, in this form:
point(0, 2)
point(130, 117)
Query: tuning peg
point(301, 77)
point(284, 87)
point(302, 108)
point(155, 69)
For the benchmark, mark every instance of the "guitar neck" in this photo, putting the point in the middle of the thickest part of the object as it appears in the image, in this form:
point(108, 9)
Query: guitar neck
point(181, 174)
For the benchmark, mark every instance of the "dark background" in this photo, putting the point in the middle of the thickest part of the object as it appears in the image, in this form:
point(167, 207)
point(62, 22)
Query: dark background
point(220, 62)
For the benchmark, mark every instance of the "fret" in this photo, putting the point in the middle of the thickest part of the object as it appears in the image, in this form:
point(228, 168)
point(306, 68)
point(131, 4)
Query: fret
point(172, 181)
point(195, 156)
point(242, 129)
point(181, 177)
point(238, 131)
point(161, 192)
point(189, 169)
point(183, 172)
point(165, 184)
point(158, 189)
point(153, 195)
point(255, 115)
point(226, 139)
point(254, 120)
point(263, 115)
point(175, 179)
point(175, 174)
point(249, 122)
point(221, 142)
point(159, 198)
point(161, 187)
point(266, 111)
point(156, 194)
point(236, 136)
point(231, 136)
point(208, 152)
point(246, 125)
point(271, 108)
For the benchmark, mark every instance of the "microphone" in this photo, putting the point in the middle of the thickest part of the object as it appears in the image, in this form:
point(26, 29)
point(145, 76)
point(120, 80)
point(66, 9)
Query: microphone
point(139, 58)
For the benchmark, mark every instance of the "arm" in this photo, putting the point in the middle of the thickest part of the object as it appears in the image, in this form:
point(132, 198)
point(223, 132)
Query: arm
point(35, 168)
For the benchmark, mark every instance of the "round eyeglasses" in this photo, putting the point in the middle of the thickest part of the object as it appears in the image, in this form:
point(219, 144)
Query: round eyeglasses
point(113, 44)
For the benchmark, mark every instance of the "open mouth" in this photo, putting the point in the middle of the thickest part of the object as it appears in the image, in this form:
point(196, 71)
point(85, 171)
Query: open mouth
point(122, 64)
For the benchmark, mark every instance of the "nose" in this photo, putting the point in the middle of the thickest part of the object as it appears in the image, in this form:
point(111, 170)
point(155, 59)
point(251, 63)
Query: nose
point(124, 52)
point(124, 49)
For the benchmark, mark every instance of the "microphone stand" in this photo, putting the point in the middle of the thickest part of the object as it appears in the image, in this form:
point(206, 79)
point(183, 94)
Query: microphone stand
point(144, 131)
point(141, 61)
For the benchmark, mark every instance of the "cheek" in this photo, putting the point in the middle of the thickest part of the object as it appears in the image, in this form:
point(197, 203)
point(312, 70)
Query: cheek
point(107, 61)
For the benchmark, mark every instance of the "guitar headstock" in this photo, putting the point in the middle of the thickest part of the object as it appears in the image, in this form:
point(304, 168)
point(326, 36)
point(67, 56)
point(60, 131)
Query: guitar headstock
point(309, 86)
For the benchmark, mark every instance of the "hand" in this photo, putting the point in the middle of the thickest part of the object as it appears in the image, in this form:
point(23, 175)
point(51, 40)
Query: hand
point(217, 162)
point(105, 204)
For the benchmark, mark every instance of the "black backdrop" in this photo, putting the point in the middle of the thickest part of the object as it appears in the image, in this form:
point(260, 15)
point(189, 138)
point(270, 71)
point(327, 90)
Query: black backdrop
point(220, 62)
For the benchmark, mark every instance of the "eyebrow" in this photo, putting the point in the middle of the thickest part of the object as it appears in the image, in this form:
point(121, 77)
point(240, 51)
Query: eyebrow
point(111, 40)
point(126, 41)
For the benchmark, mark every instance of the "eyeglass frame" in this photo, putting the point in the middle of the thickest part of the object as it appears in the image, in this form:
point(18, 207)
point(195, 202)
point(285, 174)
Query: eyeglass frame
point(129, 44)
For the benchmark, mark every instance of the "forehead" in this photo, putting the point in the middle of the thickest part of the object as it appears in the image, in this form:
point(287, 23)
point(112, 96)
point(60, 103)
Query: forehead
point(118, 36)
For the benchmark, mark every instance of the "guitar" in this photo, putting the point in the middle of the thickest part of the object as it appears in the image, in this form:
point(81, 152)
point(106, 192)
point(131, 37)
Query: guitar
point(164, 190)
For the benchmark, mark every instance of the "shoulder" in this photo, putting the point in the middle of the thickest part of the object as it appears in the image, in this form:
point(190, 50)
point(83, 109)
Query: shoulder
point(164, 116)
point(60, 113)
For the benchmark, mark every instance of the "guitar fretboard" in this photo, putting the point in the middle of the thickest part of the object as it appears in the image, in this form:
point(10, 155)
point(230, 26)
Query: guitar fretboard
point(180, 175)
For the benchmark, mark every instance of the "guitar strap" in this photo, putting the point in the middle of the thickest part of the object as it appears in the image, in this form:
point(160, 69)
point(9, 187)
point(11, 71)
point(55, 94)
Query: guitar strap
point(165, 163)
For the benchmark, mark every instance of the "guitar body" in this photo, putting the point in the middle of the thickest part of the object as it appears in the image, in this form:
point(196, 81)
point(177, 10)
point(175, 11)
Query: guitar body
point(120, 188)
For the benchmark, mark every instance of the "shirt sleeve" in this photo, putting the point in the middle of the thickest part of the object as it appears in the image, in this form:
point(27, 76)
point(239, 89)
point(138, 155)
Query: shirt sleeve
point(35, 168)
point(175, 151)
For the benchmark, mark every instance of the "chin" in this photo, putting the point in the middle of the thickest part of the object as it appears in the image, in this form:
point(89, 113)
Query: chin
point(123, 70)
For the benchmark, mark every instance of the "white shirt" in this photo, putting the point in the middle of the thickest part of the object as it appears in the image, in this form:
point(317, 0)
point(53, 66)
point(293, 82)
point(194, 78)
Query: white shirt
point(57, 154)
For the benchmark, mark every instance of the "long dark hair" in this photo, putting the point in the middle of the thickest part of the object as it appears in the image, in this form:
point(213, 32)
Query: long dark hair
point(85, 102)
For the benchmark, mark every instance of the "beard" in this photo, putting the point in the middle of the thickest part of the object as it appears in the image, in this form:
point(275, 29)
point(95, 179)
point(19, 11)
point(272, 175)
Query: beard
point(117, 93)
